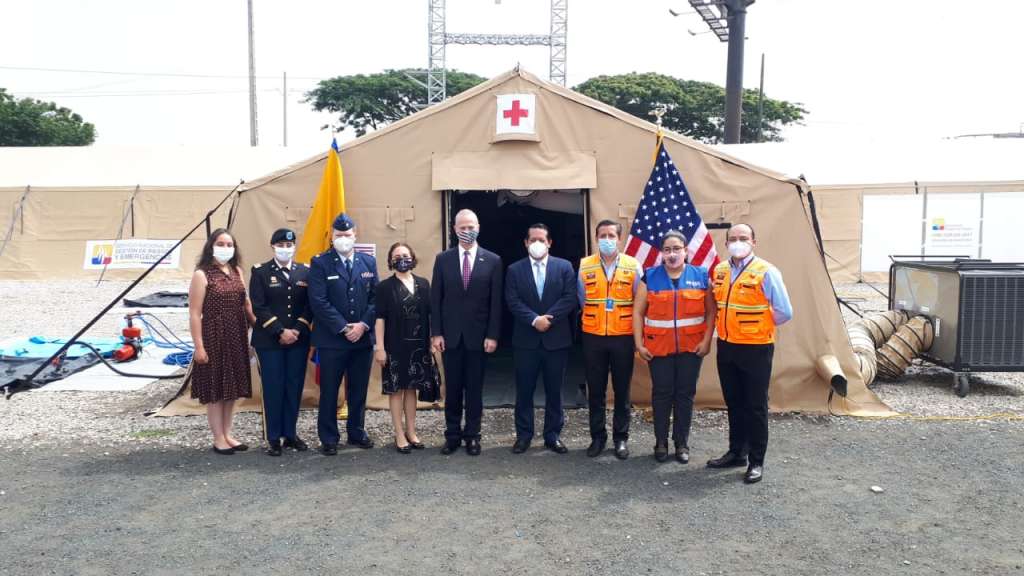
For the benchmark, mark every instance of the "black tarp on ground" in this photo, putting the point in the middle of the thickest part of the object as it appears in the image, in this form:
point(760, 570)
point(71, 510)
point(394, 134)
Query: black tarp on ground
point(159, 300)
point(13, 370)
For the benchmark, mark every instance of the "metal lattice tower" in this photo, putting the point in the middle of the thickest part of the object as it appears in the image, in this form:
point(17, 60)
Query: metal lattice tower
point(438, 38)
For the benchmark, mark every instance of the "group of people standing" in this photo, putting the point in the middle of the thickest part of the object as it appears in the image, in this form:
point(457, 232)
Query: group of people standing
point(667, 315)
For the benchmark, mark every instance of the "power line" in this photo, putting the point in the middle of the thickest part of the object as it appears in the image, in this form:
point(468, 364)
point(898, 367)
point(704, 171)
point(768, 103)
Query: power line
point(151, 74)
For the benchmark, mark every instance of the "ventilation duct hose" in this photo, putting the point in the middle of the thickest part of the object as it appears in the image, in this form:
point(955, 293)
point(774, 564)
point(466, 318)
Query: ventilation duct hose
point(895, 356)
point(869, 333)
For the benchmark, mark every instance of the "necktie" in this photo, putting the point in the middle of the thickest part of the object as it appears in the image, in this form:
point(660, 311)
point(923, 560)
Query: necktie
point(465, 270)
point(348, 267)
point(539, 277)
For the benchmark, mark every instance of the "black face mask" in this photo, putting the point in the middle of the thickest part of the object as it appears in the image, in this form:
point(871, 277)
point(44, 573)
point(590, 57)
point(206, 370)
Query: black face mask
point(404, 264)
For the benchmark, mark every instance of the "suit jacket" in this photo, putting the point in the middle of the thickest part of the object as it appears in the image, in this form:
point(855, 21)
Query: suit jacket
point(466, 315)
point(559, 301)
point(279, 302)
point(338, 298)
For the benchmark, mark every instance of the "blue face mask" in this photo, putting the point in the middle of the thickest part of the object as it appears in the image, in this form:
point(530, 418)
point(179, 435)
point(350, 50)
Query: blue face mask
point(607, 246)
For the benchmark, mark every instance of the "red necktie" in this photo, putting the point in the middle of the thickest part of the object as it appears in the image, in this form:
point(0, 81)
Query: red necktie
point(465, 270)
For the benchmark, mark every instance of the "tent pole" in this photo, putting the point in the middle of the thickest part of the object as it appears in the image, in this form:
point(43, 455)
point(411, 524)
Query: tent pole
point(128, 211)
point(28, 382)
point(19, 214)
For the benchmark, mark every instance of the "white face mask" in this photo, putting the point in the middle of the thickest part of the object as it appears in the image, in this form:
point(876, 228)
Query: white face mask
point(284, 255)
point(223, 254)
point(344, 244)
point(740, 249)
point(538, 250)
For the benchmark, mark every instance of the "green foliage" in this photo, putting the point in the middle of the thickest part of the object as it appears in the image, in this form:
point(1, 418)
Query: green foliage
point(370, 101)
point(696, 109)
point(29, 122)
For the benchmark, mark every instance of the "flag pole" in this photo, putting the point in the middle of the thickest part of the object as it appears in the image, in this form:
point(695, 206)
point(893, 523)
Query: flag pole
point(658, 113)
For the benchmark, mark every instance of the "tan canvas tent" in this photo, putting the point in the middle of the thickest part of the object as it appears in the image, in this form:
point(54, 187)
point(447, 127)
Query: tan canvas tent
point(55, 199)
point(402, 183)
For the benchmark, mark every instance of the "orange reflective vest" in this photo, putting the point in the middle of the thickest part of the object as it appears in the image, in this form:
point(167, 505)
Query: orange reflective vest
point(608, 305)
point(674, 321)
point(744, 313)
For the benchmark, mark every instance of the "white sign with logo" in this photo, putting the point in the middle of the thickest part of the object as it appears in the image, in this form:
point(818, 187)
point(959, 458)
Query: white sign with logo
point(951, 225)
point(516, 114)
point(130, 253)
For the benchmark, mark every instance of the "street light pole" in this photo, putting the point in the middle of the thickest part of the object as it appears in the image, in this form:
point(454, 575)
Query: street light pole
point(737, 17)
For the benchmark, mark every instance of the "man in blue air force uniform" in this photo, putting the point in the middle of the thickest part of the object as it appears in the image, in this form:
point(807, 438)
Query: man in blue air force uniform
point(342, 283)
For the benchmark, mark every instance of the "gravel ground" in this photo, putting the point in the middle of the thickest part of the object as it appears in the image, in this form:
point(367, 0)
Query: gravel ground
point(90, 485)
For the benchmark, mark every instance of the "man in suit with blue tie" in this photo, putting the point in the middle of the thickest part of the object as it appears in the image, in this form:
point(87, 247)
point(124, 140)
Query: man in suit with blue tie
point(342, 283)
point(541, 294)
point(465, 321)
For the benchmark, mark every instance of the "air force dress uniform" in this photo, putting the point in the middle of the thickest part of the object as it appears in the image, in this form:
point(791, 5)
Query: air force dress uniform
point(278, 296)
point(341, 292)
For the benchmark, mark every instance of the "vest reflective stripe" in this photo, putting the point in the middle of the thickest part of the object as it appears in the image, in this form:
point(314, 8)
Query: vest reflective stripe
point(695, 321)
point(744, 312)
point(674, 320)
point(597, 290)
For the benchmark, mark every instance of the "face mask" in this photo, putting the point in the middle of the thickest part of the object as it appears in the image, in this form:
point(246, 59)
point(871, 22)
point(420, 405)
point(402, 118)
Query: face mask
point(403, 264)
point(538, 250)
point(283, 254)
point(467, 236)
point(607, 246)
point(223, 254)
point(740, 249)
point(344, 244)
point(673, 259)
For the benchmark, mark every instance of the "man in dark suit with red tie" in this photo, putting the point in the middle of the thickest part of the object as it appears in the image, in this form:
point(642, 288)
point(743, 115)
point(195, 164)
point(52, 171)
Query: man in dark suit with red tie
point(541, 294)
point(465, 321)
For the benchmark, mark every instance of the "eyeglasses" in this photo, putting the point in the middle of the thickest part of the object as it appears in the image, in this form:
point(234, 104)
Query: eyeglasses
point(673, 249)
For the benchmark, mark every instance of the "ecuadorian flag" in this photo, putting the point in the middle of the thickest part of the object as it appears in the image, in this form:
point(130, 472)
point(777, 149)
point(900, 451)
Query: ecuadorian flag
point(330, 201)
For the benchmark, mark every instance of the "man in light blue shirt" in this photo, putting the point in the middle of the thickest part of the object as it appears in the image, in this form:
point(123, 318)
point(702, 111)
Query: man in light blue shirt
point(752, 301)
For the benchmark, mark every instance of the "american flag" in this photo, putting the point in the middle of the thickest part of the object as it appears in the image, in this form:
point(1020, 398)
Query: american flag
point(666, 205)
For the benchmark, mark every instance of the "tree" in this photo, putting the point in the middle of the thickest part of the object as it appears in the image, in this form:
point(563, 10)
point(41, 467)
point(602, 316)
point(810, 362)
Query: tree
point(29, 122)
point(696, 109)
point(371, 101)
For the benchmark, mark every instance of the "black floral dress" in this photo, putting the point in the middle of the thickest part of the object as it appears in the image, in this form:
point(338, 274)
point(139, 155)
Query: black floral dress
point(406, 315)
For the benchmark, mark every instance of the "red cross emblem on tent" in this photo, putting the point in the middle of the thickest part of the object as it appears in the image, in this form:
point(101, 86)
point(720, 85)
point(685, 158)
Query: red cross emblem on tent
point(516, 114)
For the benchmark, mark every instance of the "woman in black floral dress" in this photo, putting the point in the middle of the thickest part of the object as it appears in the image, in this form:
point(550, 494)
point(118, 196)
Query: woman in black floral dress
point(403, 344)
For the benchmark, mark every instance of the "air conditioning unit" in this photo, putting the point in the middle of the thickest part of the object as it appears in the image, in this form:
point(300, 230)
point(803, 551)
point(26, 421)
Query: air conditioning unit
point(976, 307)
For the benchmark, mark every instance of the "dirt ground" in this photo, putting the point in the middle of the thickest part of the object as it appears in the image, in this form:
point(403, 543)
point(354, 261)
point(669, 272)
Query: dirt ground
point(952, 504)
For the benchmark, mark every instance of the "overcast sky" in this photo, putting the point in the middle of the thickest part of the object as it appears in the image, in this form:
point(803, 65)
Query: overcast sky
point(865, 69)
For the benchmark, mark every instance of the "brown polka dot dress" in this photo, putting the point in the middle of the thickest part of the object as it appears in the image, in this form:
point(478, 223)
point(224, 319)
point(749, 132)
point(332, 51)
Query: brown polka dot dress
point(225, 336)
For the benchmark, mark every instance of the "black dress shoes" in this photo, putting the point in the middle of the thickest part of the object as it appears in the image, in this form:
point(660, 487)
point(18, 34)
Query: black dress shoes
point(450, 447)
point(621, 452)
point(415, 445)
point(557, 447)
point(240, 448)
point(223, 451)
point(682, 454)
point(274, 448)
point(520, 446)
point(365, 443)
point(297, 444)
point(407, 449)
point(728, 460)
point(754, 474)
point(661, 451)
point(596, 447)
point(329, 449)
point(473, 447)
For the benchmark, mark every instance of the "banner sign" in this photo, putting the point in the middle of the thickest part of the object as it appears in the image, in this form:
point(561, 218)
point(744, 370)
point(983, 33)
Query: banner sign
point(129, 253)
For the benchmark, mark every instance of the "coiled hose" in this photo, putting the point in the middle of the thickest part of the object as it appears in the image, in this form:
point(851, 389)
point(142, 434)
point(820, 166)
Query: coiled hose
point(868, 334)
point(907, 343)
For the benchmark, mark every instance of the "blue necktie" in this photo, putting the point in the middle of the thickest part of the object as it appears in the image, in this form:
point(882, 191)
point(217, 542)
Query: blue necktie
point(348, 267)
point(540, 279)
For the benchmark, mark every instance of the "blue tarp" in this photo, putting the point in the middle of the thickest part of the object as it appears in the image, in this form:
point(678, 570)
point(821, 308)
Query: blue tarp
point(40, 347)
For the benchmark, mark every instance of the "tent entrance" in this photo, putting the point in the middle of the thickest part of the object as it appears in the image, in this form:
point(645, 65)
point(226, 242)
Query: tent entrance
point(505, 216)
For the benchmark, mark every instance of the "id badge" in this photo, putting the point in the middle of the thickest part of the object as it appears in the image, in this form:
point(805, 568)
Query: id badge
point(609, 304)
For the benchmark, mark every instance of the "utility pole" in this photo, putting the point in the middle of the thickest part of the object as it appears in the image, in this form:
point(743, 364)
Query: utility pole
point(284, 99)
point(253, 139)
point(760, 101)
point(737, 18)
